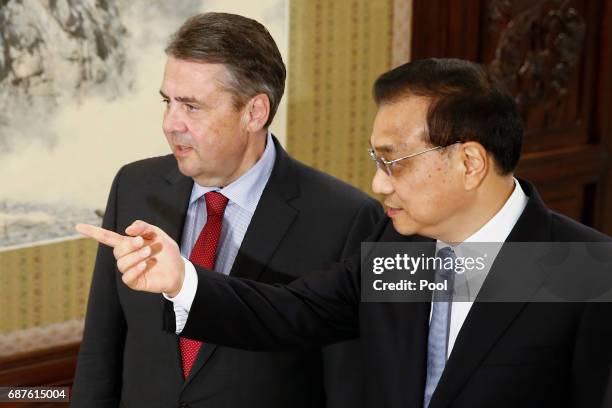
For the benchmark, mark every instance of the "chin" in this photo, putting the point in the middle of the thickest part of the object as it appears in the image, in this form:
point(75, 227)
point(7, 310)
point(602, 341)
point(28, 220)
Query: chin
point(408, 226)
point(404, 227)
point(185, 169)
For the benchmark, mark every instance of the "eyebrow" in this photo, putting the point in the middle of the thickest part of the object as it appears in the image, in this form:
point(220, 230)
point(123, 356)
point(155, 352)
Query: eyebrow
point(392, 148)
point(387, 148)
point(183, 99)
point(384, 148)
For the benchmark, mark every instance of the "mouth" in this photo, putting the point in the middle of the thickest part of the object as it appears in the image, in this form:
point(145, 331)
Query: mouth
point(392, 211)
point(182, 150)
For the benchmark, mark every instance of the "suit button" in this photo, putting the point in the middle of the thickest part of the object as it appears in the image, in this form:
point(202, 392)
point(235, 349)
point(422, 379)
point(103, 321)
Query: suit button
point(184, 405)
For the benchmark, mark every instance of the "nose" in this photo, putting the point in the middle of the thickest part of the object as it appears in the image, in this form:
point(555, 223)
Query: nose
point(173, 121)
point(381, 183)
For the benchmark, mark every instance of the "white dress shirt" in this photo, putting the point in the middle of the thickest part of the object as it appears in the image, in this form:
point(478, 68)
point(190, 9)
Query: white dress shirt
point(496, 230)
point(243, 196)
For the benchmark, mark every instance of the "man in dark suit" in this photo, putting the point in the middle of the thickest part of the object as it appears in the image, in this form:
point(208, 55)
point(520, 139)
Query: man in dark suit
point(446, 141)
point(236, 201)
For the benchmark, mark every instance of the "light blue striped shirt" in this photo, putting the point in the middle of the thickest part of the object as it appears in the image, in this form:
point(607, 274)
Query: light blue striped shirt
point(243, 195)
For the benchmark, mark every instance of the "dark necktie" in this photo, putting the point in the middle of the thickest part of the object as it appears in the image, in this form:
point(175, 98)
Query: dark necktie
point(203, 254)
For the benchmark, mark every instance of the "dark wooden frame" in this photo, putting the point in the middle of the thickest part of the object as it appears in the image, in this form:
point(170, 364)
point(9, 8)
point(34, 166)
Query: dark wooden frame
point(51, 367)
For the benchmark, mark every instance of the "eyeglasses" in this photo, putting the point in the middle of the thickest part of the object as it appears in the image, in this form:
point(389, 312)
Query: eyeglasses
point(387, 165)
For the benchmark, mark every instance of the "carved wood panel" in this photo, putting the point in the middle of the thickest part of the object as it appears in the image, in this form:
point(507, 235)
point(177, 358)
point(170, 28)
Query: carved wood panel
point(542, 51)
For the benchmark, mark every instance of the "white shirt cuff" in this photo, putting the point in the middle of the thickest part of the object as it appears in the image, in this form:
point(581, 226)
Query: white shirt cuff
point(183, 300)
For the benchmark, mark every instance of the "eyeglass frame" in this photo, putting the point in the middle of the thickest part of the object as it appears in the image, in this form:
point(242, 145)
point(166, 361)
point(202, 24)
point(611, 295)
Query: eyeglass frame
point(380, 161)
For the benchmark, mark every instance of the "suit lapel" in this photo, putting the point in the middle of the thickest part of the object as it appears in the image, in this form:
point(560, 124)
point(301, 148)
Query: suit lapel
point(171, 202)
point(482, 328)
point(487, 321)
point(416, 329)
point(272, 218)
point(406, 324)
point(269, 225)
point(416, 365)
point(205, 353)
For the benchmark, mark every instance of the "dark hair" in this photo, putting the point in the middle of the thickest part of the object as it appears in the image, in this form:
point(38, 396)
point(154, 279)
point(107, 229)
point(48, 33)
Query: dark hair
point(467, 104)
point(243, 45)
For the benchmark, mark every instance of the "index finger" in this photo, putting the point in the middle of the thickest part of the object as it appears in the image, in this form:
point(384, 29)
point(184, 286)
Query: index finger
point(103, 236)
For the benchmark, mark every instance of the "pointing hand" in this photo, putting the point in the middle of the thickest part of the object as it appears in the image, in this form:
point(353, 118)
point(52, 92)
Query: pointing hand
point(148, 258)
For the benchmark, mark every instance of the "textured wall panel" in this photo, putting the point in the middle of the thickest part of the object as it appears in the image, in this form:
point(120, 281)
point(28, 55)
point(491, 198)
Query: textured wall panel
point(45, 284)
point(402, 32)
point(336, 51)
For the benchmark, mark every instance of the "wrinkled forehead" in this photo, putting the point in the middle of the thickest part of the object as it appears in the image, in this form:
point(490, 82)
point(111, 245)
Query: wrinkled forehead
point(400, 124)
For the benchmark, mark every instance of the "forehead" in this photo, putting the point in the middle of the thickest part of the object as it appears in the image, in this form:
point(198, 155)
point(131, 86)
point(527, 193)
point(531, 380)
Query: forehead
point(401, 123)
point(182, 76)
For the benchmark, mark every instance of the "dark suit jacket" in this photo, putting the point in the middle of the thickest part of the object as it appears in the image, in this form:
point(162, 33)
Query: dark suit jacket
point(521, 354)
point(304, 219)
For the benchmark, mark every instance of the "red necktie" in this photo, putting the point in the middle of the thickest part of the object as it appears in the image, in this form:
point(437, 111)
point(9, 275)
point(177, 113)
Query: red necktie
point(203, 254)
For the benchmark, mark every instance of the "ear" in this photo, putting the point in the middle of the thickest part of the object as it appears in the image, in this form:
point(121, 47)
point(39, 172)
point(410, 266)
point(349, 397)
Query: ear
point(257, 113)
point(475, 161)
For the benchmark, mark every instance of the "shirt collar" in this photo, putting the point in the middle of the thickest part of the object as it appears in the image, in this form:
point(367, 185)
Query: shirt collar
point(247, 189)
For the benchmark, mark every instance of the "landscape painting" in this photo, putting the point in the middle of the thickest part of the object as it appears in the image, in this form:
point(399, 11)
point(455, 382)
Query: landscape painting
point(79, 82)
